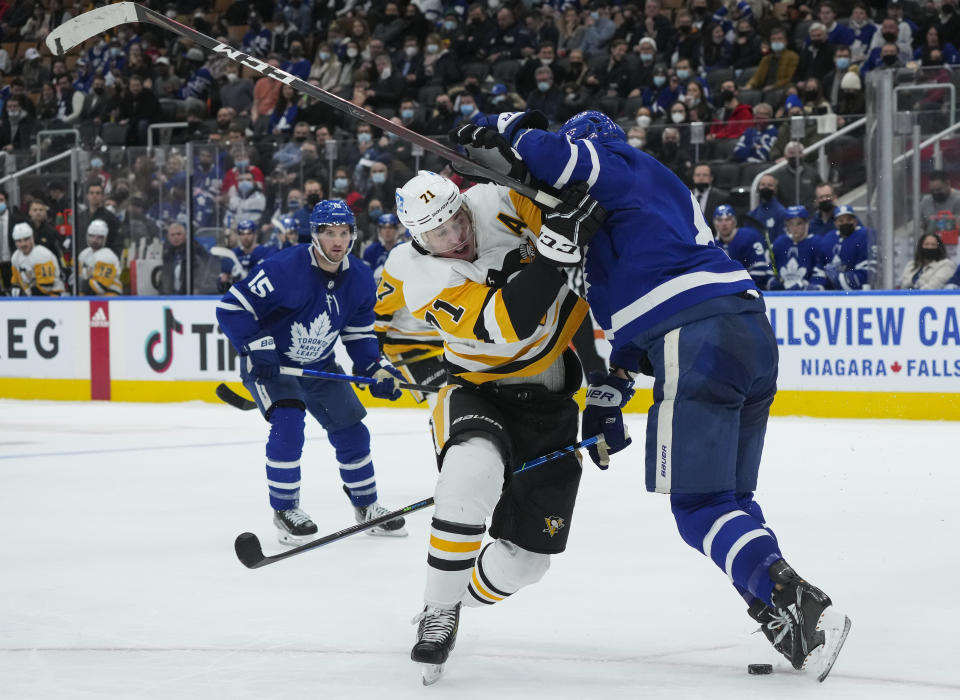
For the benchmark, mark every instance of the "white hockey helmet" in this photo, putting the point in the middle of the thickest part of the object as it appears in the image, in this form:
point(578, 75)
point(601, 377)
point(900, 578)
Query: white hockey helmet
point(425, 202)
point(22, 230)
point(97, 227)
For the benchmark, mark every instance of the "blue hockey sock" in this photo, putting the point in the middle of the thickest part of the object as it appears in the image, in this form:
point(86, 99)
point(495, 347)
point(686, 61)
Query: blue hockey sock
point(729, 529)
point(284, 447)
point(352, 446)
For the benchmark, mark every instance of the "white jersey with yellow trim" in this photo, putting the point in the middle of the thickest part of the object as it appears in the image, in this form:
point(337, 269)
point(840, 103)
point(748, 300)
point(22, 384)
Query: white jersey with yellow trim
point(100, 270)
point(401, 330)
point(38, 270)
point(464, 300)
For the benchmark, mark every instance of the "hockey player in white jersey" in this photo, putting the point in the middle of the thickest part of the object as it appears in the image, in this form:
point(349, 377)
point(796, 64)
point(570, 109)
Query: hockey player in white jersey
point(99, 266)
point(34, 268)
point(482, 271)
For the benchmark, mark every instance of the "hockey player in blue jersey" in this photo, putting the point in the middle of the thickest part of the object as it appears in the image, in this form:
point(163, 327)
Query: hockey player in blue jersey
point(671, 302)
point(743, 245)
point(846, 257)
point(290, 310)
point(388, 235)
point(795, 254)
point(249, 253)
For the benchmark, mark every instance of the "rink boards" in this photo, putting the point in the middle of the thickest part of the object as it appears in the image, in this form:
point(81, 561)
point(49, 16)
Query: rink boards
point(865, 354)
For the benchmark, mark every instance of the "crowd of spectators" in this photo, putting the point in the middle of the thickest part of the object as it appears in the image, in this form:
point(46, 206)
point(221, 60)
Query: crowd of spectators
point(262, 151)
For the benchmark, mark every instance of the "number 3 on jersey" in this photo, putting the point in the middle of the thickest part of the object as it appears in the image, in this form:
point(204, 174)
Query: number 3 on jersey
point(260, 285)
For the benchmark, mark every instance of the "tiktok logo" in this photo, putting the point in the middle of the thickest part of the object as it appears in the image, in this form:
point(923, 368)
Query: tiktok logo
point(170, 326)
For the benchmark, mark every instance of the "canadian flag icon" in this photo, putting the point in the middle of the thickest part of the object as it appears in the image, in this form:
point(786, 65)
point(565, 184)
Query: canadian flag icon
point(896, 366)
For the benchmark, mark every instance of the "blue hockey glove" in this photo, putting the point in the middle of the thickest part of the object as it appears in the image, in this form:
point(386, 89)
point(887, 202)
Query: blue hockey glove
point(263, 355)
point(508, 123)
point(387, 379)
point(606, 397)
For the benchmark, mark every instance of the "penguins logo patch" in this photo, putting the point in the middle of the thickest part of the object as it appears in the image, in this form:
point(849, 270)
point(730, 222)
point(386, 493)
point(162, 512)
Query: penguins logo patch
point(554, 525)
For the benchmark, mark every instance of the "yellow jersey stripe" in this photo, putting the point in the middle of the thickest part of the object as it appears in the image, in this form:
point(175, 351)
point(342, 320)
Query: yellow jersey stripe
point(528, 211)
point(448, 546)
point(480, 589)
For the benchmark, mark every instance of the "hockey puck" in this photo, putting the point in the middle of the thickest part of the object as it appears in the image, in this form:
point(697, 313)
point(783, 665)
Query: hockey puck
point(759, 669)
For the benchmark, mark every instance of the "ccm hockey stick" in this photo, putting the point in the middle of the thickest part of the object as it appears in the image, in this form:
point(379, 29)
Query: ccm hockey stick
point(103, 19)
point(229, 396)
point(250, 553)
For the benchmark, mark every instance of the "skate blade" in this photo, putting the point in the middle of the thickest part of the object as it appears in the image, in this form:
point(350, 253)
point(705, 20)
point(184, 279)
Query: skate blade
point(377, 532)
point(835, 627)
point(285, 538)
point(431, 673)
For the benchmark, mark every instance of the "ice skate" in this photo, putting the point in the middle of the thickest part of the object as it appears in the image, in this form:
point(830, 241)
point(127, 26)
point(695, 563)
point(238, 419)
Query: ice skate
point(391, 528)
point(294, 527)
point(803, 624)
point(436, 637)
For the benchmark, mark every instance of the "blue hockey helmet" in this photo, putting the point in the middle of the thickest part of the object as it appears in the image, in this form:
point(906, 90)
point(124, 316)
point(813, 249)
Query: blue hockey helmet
point(592, 124)
point(388, 219)
point(247, 226)
point(331, 212)
point(724, 210)
point(288, 222)
point(797, 211)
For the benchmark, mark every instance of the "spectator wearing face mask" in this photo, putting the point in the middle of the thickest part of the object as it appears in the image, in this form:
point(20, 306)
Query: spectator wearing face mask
point(839, 68)
point(637, 138)
point(673, 155)
point(327, 69)
point(930, 267)
point(241, 163)
point(688, 41)
point(440, 64)
point(258, 38)
point(17, 127)
point(777, 69)
point(893, 32)
point(770, 213)
point(756, 142)
point(851, 102)
point(526, 80)
point(941, 203)
point(245, 201)
point(747, 50)
point(816, 58)
point(734, 117)
point(825, 199)
point(707, 196)
point(502, 99)
point(663, 93)
point(717, 49)
point(546, 97)
point(699, 108)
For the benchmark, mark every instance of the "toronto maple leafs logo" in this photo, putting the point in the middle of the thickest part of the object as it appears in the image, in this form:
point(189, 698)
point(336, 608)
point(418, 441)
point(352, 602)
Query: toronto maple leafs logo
point(308, 345)
point(792, 273)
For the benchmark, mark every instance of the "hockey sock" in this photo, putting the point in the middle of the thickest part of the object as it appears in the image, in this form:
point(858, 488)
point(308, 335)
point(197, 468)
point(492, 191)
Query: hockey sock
point(467, 491)
point(735, 538)
point(284, 447)
point(501, 570)
point(352, 446)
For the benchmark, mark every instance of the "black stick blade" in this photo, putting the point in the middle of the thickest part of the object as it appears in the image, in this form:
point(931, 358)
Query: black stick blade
point(248, 550)
point(229, 396)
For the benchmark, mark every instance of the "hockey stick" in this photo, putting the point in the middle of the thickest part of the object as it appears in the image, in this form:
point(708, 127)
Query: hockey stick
point(250, 553)
point(222, 252)
point(103, 19)
point(229, 396)
point(419, 358)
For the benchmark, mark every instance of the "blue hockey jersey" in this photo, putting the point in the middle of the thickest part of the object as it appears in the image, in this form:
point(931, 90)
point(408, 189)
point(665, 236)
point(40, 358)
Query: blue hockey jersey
point(845, 263)
point(748, 249)
point(304, 308)
point(795, 261)
point(655, 254)
point(771, 216)
point(248, 261)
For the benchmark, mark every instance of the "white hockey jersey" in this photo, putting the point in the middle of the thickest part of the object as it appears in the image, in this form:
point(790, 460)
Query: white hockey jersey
point(464, 301)
point(36, 273)
point(99, 272)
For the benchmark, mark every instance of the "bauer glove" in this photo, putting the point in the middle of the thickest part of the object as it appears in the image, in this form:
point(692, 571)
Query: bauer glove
point(387, 380)
point(603, 415)
point(263, 355)
point(568, 228)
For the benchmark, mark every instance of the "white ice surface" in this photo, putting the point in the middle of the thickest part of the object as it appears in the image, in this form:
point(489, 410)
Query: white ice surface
point(119, 578)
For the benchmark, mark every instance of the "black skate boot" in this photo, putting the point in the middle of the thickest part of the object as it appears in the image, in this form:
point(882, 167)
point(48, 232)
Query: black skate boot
point(294, 527)
point(436, 637)
point(391, 528)
point(804, 626)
